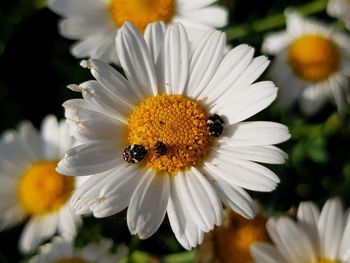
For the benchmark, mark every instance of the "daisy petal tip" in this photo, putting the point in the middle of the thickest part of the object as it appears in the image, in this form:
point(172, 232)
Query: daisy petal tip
point(74, 87)
point(86, 64)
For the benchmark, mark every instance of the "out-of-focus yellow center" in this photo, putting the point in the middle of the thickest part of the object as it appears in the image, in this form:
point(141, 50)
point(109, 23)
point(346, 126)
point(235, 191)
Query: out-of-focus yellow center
point(327, 261)
point(233, 239)
point(179, 123)
point(141, 12)
point(71, 260)
point(41, 190)
point(313, 57)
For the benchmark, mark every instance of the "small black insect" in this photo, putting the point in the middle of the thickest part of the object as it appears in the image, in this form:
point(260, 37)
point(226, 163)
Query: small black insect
point(134, 153)
point(160, 148)
point(215, 125)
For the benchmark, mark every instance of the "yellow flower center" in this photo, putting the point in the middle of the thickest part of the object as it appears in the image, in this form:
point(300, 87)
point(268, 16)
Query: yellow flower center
point(41, 190)
point(233, 239)
point(327, 261)
point(141, 13)
point(313, 57)
point(71, 260)
point(176, 121)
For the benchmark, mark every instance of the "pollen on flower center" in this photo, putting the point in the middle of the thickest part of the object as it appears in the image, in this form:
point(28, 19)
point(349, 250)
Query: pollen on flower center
point(41, 190)
point(177, 122)
point(141, 13)
point(313, 57)
point(71, 260)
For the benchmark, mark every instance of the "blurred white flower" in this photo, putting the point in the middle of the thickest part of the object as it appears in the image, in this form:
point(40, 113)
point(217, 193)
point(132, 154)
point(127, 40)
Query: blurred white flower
point(96, 23)
point(312, 64)
point(63, 251)
point(31, 187)
point(315, 237)
point(340, 9)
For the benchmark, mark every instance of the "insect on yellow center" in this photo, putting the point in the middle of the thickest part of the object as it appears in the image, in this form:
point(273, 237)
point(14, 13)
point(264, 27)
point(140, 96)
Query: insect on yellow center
point(313, 57)
point(141, 13)
point(41, 190)
point(233, 239)
point(71, 260)
point(177, 122)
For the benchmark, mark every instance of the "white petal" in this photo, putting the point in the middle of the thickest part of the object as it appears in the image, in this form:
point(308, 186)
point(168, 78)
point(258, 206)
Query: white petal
point(103, 100)
point(50, 134)
point(206, 195)
point(87, 125)
point(176, 55)
point(113, 82)
point(255, 133)
point(75, 7)
point(66, 141)
point(136, 60)
point(291, 240)
point(230, 69)
point(244, 174)
point(213, 16)
point(148, 205)
point(154, 37)
point(115, 194)
point(256, 153)
point(313, 98)
point(275, 42)
point(68, 222)
point(90, 158)
point(81, 28)
point(205, 60)
point(308, 216)
point(330, 228)
point(185, 229)
point(232, 196)
point(37, 230)
point(344, 247)
point(266, 253)
point(193, 206)
point(185, 5)
point(31, 141)
point(247, 102)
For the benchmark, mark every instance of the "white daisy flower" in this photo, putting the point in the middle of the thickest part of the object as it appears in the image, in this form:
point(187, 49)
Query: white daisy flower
point(63, 251)
point(30, 186)
point(163, 111)
point(340, 9)
point(312, 64)
point(315, 237)
point(96, 23)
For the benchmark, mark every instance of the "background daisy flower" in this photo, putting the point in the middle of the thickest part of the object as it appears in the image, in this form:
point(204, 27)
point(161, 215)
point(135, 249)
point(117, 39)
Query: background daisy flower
point(63, 251)
point(96, 23)
point(340, 9)
point(315, 237)
point(163, 112)
point(30, 186)
point(312, 64)
point(231, 242)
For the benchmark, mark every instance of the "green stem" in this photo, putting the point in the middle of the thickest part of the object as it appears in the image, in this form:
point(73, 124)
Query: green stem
point(273, 21)
point(185, 257)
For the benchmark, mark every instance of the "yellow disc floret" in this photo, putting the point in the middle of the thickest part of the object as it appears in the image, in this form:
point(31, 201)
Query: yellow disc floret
point(176, 121)
point(71, 260)
point(141, 13)
point(233, 239)
point(41, 190)
point(313, 57)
